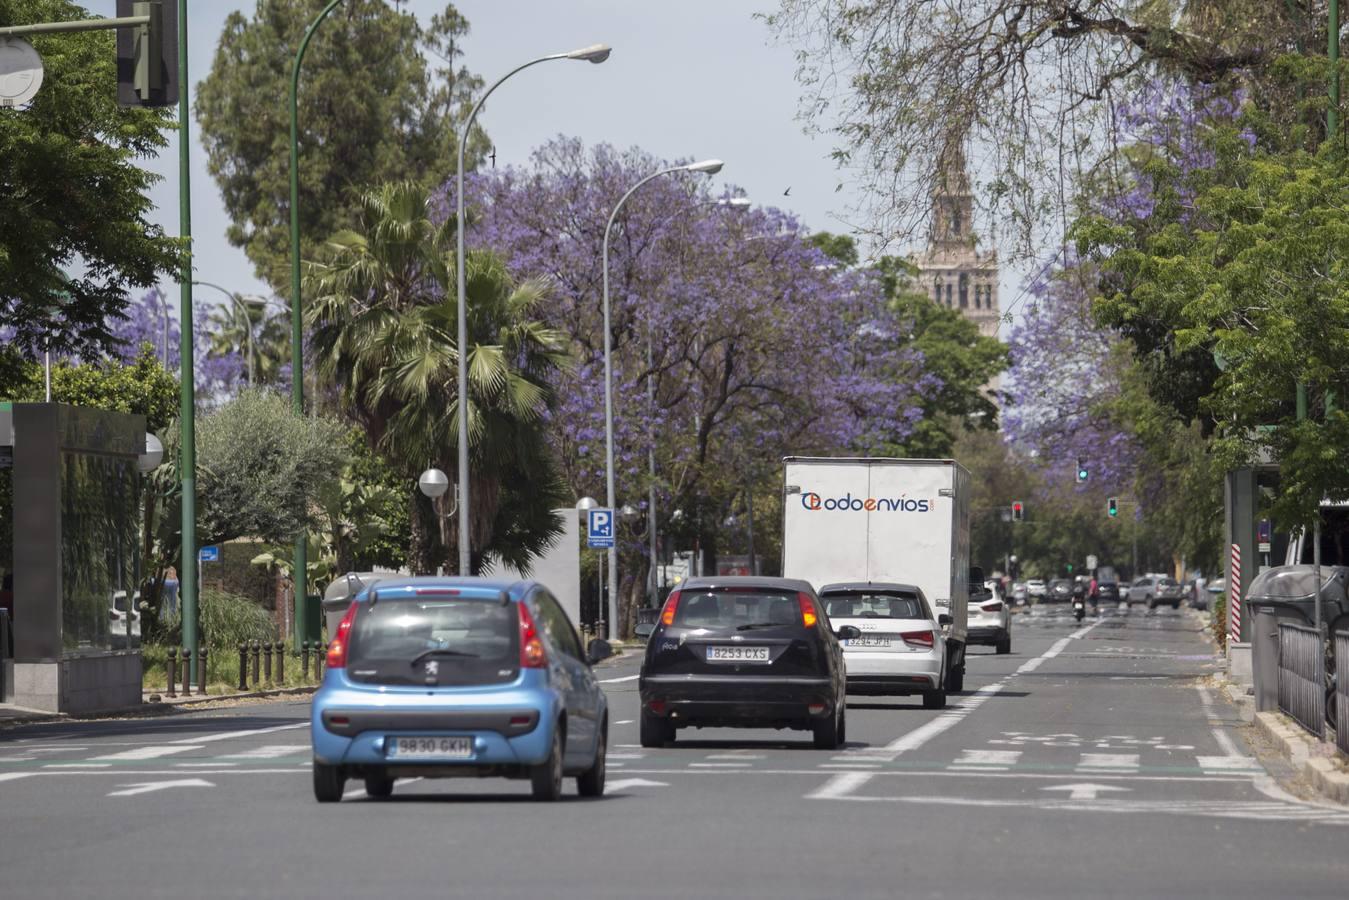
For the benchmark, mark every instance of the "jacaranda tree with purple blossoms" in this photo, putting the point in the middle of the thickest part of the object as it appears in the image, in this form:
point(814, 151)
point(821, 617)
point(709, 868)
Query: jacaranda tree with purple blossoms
point(755, 345)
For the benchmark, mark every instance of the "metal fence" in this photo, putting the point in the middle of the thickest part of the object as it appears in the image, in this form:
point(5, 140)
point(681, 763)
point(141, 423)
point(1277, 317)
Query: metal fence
point(1341, 696)
point(1302, 678)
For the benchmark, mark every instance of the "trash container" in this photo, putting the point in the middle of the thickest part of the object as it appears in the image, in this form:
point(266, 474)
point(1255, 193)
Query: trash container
point(339, 595)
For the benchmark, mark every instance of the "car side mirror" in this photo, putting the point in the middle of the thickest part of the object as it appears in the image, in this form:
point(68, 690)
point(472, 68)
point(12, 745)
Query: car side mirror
point(598, 651)
point(848, 633)
point(945, 619)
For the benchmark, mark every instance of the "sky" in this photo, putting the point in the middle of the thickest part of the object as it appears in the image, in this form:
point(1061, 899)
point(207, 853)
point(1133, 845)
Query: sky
point(693, 79)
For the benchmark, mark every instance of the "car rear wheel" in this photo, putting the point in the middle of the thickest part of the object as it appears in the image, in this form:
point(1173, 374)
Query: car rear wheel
point(590, 783)
point(378, 786)
point(829, 733)
point(328, 783)
point(955, 680)
point(1004, 645)
point(655, 731)
point(934, 699)
point(546, 777)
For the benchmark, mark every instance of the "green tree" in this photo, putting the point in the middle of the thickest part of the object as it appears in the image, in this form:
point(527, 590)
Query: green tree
point(231, 327)
point(372, 108)
point(261, 468)
point(75, 192)
point(385, 334)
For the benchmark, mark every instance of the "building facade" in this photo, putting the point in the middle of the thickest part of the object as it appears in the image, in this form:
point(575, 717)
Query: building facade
point(953, 271)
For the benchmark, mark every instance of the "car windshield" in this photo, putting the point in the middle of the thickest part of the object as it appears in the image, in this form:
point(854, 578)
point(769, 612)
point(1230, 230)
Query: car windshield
point(874, 605)
point(440, 641)
point(737, 609)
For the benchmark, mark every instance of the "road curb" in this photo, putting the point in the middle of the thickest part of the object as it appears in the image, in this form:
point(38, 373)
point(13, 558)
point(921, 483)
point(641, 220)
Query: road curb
point(148, 710)
point(1319, 761)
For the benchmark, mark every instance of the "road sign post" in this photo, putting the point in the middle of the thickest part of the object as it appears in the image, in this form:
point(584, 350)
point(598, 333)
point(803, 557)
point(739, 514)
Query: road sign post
point(600, 536)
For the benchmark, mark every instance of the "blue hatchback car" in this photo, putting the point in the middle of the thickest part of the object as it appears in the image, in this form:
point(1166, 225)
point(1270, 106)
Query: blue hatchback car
point(452, 677)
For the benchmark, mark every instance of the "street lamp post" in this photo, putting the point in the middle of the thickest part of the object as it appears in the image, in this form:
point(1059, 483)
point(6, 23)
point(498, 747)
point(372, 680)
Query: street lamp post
point(596, 53)
point(433, 483)
point(708, 167)
point(241, 304)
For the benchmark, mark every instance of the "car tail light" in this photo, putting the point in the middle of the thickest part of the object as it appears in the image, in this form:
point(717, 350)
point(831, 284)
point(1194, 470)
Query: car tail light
point(667, 612)
point(532, 655)
point(657, 707)
point(337, 650)
point(808, 615)
point(816, 709)
point(924, 638)
point(993, 606)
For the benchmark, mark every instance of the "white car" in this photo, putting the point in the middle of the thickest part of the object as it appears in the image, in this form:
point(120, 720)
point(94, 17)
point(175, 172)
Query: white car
point(1036, 587)
point(120, 637)
point(902, 649)
point(990, 622)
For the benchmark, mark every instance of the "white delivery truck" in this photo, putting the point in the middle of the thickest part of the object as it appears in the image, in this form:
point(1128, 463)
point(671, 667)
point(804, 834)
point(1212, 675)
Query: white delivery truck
point(877, 520)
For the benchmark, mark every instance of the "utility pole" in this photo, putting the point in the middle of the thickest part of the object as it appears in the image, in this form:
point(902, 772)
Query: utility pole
point(187, 574)
point(1333, 52)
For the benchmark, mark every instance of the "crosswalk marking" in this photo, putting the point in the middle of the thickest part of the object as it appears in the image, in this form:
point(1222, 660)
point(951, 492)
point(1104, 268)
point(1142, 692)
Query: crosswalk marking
point(987, 760)
point(152, 752)
point(78, 765)
point(1229, 764)
point(268, 751)
point(1112, 762)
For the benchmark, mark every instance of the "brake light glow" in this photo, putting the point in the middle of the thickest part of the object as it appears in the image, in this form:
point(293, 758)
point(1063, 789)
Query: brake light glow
point(808, 615)
point(337, 650)
point(435, 592)
point(657, 707)
point(993, 606)
point(924, 638)
point(667, 612)
point(532, 655)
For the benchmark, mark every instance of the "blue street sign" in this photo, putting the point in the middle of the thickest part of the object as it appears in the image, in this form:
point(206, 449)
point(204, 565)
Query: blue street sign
point(600, 529)
point(208, 554)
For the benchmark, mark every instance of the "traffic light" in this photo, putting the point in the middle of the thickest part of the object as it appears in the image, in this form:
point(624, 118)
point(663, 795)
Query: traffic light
point(1018, 511)
point(1081, 470)
point(1112, 507)
point(147, 55)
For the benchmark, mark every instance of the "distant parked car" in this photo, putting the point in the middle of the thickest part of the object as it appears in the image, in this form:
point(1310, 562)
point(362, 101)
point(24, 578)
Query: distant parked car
point(1036, 587)
point(1155, 590)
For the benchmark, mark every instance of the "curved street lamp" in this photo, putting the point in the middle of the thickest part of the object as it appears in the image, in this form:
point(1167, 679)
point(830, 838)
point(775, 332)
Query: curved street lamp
point(595, 53)
point(706, 167)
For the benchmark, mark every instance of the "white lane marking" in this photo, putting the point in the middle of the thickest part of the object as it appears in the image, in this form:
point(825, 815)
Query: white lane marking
point(613, 755)
point(987, 760)
point(148, 787)
point(78, 765)
point(841, 786)
point(624, 722)
point(203, 765)
point(1214, 809)
point(848, 766)
point(1099, 775)
point(719, 765)
point(926, 732)
point(5, 759)
point(1084, 791)
point(247, 732)
point(360, 791)
point(15, 776)
point(1115, 762)
point(269, 751)
point(617, 680)
point(740, 756)
point(1230, 764)
point(144, 753)
point(624, 783)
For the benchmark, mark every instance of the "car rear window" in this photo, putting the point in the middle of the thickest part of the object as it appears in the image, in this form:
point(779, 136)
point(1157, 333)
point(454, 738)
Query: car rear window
point(435, 641)
point(1167, 582)
point(875, 605)
point(730, 610)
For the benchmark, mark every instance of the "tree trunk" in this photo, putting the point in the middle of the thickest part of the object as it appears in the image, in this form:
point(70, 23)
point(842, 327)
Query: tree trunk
point(424, 546)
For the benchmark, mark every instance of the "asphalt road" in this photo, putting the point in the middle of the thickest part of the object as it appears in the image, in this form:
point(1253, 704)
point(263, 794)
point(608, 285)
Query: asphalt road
point(1092, 761)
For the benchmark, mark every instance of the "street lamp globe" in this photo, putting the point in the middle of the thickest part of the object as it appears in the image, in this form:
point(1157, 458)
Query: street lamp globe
point(595, 53)
point(629, 511)
point(433, 483)
point(152, 455)
point(584, 506)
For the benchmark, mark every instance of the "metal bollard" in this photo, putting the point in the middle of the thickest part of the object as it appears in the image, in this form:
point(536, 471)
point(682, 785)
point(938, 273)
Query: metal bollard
point(173, 670)
point(257, 650)
point(320, 652)
point(187, 672)
point(243, 666)
point(267, 663)
point(304, 661)
point(280, 647)
point(201, 670)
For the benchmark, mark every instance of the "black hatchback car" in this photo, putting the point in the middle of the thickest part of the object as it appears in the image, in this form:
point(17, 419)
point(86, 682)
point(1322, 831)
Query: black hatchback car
point(744, 652)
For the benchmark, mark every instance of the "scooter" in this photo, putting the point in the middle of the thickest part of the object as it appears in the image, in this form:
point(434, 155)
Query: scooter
point(1079, 608)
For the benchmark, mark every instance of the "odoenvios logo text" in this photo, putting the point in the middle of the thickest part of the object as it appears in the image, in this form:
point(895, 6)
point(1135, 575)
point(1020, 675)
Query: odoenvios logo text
point(813, 501)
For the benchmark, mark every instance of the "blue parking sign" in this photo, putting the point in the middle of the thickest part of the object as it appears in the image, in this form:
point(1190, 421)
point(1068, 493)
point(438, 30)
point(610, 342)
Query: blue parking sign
point(208, 554)
point(600, 528)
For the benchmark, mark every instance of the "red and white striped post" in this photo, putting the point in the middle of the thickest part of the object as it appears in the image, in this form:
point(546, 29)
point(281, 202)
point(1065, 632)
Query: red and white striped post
point(1234, 596)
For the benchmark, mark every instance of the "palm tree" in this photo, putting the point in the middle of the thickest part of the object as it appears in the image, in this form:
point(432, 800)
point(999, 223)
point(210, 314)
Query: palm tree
point(382, 314)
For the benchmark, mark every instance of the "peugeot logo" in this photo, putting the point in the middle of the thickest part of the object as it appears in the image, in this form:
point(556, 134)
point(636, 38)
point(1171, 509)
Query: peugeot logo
point(432, 669)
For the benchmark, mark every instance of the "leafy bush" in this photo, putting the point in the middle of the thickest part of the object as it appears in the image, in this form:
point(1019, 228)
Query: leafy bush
point(225, 619)
point(1219, 621)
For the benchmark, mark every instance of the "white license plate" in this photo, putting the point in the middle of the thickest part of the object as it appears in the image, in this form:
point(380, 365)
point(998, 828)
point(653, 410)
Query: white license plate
point(432, 748)
point(737, 654)
point(869, 640)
